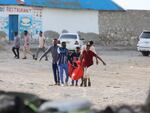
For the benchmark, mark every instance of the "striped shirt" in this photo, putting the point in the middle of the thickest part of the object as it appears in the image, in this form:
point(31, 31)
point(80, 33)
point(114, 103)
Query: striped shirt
point(63, 55)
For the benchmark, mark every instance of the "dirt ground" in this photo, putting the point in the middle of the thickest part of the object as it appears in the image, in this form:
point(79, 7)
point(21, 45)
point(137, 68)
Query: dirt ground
point(125, 79)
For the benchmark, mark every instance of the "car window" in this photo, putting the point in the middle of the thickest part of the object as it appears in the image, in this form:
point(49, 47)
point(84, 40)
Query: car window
point(68, 36)
point(145, 35)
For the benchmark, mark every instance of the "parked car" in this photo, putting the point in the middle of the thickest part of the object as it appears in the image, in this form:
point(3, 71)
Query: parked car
point(144, 43)
point(72, 40)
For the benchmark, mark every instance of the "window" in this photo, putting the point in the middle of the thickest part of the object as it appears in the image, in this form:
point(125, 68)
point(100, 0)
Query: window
point(68, 37)
point(145, 35)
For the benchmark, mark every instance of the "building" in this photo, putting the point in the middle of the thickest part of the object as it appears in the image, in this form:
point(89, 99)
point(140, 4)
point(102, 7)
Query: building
point(53, 15)
point(122, 28)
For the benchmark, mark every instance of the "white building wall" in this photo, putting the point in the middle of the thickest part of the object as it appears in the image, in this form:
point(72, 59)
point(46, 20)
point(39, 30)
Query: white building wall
point(70, 20)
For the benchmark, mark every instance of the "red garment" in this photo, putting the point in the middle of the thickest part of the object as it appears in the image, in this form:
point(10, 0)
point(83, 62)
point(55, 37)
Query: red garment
point(87, 60)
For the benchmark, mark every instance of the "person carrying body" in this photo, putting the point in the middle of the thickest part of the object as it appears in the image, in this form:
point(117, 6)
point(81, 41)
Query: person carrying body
point(75, 56)
point(63, 63)
point(92, 48)
point(53, 50)
point(87, 63)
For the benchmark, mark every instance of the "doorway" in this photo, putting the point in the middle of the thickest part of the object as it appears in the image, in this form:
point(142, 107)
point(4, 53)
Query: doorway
point(13, 26)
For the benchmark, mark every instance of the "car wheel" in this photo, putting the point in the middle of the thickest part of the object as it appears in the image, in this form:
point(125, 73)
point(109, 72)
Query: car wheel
point(145, 53)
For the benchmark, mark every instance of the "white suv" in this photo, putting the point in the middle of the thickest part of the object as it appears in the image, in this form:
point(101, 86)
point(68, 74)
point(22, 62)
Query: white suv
point(72, 40)
point(144, 43)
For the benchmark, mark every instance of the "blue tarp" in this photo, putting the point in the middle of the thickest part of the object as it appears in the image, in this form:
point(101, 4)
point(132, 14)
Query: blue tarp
point(69, 4)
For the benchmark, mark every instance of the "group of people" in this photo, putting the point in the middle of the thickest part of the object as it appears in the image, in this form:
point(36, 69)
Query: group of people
point(26, 45)
point(60, 58)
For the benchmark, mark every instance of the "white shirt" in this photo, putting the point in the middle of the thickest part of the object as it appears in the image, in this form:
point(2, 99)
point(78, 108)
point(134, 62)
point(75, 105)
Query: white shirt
point(41, 41)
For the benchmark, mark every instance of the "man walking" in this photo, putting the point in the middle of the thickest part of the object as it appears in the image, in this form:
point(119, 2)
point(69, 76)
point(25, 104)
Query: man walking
point(41, 45)
point(92, 48)
point(63, 63)
point(87, 62)
point(53, 50)
point(16, 46)
point(26, 47)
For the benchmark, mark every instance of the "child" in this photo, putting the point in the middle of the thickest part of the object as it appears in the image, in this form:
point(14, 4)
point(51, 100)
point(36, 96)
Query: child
point(16, 46)
point(87, 62)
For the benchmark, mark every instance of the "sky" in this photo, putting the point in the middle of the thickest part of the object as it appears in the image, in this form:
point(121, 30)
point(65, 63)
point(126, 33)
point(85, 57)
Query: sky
point(134, 4)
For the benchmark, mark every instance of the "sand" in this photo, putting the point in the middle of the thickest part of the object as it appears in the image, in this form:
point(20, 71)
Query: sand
point(125, 78)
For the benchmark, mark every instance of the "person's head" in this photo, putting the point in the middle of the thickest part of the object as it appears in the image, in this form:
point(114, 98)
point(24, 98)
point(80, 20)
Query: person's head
point(41, 33)
point(88, 46)
point(25, 33)
point(55, 41)
point(63, 44)
point(91, 42)
point(16, 33)
point(78, 49)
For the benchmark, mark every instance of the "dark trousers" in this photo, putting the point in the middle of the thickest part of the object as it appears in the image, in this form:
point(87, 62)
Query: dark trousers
point(15, 51)
point(40, 49)
point(56, 73)
point(76, 82)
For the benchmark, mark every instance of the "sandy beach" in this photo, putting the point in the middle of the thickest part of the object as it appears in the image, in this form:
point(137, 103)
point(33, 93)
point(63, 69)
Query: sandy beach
point(125, 79)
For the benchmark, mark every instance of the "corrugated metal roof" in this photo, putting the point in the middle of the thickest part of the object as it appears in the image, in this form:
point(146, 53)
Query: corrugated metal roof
point(69, 4)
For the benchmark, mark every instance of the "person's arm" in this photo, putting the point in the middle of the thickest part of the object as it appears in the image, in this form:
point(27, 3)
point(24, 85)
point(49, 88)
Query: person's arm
point(25, 41)
point(44, 40)
point(81, 57)
point(58, 51)
point(15, 41)
point(93, 49)
point(100, 59)
point(96, 60)
point(71, 58)
point(45, 53)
